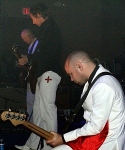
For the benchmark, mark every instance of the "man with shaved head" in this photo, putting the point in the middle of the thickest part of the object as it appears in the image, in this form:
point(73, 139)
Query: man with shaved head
point(104, 108)
point(81, 61)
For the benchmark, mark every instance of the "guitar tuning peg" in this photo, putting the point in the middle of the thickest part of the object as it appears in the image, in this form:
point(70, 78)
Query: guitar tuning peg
point(8, 115)
point(9, 110)
point(23, 111)
point(17, 110)
point(23, 117)
point(12, 116)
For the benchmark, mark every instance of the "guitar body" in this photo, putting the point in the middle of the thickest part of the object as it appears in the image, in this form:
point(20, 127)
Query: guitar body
point(29, 68)
point(31, 77)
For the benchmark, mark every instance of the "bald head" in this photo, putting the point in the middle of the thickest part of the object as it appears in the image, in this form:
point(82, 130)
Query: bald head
point(75, 56)
point(27, 36)
point(79, 66)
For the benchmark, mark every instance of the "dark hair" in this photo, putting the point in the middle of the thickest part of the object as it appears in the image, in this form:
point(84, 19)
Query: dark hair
point(39, 8)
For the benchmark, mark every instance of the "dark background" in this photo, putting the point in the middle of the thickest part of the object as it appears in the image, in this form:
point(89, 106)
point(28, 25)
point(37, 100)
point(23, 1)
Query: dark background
point(97, 27)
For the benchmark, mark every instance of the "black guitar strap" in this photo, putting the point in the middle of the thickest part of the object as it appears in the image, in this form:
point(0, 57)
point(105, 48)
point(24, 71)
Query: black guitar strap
point(76, 109)
point(74, 112)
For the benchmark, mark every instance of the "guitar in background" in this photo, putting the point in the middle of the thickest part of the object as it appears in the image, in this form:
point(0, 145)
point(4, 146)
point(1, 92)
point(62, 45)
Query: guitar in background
point(30, 69)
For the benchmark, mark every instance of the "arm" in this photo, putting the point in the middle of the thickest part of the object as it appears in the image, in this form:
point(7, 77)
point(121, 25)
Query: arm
point(99, 113)
point(98, 107)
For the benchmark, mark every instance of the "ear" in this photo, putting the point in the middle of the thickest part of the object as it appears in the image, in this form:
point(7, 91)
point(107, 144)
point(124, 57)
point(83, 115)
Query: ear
point(38, 15)
point(79, 66)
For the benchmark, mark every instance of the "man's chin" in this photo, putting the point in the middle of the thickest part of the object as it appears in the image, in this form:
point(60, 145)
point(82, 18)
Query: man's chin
point(80, 83)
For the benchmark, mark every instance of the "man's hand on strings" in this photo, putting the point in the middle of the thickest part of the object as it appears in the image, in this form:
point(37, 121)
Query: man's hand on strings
point(23, 60)
point(56, 140)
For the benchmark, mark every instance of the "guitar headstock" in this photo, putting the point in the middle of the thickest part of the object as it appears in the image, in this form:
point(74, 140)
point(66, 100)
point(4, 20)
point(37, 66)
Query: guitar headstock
point(15, 47)
point(15, 50)
point(14, 117)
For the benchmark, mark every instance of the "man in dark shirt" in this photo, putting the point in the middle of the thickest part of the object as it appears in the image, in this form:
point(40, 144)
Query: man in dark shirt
point(48, 73)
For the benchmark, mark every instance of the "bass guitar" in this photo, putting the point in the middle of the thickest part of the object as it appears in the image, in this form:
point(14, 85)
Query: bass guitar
point(18, 118)
point(82, 143)
point(29, 67)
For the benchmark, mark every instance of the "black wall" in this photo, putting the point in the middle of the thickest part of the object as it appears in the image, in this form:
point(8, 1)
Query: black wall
point(97, 27)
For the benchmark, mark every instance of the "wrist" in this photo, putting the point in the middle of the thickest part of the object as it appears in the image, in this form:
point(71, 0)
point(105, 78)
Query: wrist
point(63, 139)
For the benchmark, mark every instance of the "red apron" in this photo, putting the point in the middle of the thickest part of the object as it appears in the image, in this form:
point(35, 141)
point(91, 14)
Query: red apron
point(89, 142)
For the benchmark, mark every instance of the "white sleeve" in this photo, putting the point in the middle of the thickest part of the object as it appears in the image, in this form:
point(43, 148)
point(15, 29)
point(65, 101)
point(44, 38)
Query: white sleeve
point(102, 97)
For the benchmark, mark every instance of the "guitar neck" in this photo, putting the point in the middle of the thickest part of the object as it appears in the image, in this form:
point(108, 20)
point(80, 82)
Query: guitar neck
point(41, 132)
point(7, 115)
point(18, 56)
